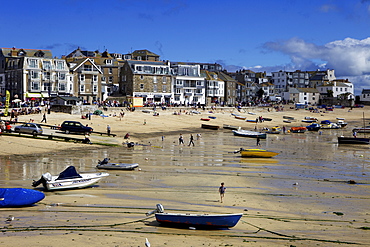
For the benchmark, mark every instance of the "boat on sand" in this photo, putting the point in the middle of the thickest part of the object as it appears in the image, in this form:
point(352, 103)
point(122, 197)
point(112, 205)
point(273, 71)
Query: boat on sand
point(256, 153)
point(195, 220)
point(69, 179)
point(19, 197)
point(249, 133)
point(105, 164)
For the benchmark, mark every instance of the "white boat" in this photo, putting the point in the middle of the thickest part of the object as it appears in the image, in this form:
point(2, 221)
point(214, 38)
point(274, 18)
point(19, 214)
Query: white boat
point(105, 164)
point(248, 133)
point(69, 179)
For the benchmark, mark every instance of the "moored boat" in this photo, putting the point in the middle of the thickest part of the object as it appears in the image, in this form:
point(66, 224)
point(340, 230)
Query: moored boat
point(105, 164)
point(230, 127)
point(298, 129)
point(205, 119)
point(69, 179)
point(240, 117)
point(196, 220)
point(365, 129)
point(19, 197)
point(212, 127)
point(257, 153)
point(313, 127)
point(249, 133)
point(353, 140)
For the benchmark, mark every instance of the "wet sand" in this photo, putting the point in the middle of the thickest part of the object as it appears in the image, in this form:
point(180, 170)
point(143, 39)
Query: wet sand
point(301, 197)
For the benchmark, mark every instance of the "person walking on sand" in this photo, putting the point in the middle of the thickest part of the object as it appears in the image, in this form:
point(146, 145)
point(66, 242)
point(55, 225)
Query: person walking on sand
point(43, 118)
point(258, 141)
point(191, 140)
point(222, 190)
point(108, 130)
point(181, 140)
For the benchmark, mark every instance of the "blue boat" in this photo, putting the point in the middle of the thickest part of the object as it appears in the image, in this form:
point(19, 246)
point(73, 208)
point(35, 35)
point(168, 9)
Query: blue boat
point(313, 127)
point(196, 220)
point(19, 197)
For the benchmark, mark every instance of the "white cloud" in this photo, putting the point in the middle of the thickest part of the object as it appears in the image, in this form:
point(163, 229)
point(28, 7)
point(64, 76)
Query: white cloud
point(348, 57)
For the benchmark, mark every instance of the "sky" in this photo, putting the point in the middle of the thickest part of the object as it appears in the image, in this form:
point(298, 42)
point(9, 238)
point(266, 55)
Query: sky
point(264, 35)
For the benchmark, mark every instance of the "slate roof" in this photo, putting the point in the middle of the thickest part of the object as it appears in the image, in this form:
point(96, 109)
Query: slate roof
point(27, 52)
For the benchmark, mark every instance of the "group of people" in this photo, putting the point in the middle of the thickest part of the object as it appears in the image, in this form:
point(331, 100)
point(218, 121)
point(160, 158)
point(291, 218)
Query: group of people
point(191, 140)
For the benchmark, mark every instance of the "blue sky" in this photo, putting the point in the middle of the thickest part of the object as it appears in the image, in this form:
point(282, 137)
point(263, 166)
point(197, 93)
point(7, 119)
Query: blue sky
point(264, 35)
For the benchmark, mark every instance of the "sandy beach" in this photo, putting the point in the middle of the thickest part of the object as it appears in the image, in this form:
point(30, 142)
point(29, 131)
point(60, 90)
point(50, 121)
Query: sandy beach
point(299, 198)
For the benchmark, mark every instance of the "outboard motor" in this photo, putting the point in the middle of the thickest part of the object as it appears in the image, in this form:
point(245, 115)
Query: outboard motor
point(159, 209)
point(45, 177)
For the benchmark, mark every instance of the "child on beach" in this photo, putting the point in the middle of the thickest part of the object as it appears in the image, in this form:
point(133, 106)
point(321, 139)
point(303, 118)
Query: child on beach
point(222, 190)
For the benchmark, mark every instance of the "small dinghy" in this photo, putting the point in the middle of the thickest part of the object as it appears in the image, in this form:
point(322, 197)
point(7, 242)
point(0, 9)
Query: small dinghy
point(105, 164)
point(195, 220)
point(19, 197)
point(69, 179)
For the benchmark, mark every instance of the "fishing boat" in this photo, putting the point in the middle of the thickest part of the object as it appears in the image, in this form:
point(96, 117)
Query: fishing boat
point(257, 153)
point(230, 127)
point(353, 140)
point(267, 119)
point(313, 127)
point(289, 118)
point(251, 120)
point(249, 133)
point(212, 127)
point(105, 164)
point(341, 123)
point(274, 130)
point(298, 129)
point(205, 119)
point(211, 117)
point(326, 124)
point(69, 179)
point(19, 197)
point(365, 129)
point(195, 220)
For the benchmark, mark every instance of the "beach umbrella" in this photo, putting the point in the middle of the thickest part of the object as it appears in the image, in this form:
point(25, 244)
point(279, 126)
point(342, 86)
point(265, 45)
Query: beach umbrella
point(16, 100)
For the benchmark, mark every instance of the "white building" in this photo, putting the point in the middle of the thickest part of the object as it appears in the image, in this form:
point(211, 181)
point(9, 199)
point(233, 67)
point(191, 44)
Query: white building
point(302, 95)
point(188, 84)
point(336, 88)
point(365, 95)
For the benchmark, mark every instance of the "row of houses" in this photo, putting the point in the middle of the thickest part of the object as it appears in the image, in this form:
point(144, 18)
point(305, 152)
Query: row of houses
point(94, 76)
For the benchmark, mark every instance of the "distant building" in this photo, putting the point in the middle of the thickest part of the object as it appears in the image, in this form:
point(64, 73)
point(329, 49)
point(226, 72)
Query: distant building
point(365, 95)
point(302, 95)
point(215, 87)
point(337, 88)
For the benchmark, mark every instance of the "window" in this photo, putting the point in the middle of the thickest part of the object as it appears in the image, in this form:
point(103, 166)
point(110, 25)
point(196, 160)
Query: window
point(155, 88)
point(60, 65)
point(164, 88)
point(32, 63)
point(46, 65)
point(110, 79)
point(178, 90)
point(141, 86)
point(35, 85)
point(95, 78)
point(34, 74)
point(62, 87)
point(164, 80)
point(47, 86)
point(141, 77)
point(62, 76)
point(95, 88)
point(154, 79)
point(82, 88)
point(87, 67)
point(110, 70)
point(108, 61)
point(82, 77)
point(103, 78)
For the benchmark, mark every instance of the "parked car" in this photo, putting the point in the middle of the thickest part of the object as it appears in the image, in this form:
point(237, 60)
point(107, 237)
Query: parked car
point(74, 126)
point(29, 128)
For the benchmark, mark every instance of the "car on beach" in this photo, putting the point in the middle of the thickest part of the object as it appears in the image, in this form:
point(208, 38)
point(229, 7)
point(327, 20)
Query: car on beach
point(74, 126)
point(29, 128)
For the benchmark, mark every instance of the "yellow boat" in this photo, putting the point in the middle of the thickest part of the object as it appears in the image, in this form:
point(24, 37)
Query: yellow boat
point(257, 153)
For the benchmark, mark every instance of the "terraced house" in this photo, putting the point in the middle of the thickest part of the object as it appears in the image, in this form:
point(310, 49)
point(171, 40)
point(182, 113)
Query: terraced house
point(34, 74)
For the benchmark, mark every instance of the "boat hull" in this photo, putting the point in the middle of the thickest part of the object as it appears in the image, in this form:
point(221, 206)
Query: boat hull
point(230, 127)
point(257, 153)
point(86, 180)
point(212, 127)
point(247, 133)
point(19, 197)
point(353, 140)
point(117, 166)
point(196, 220)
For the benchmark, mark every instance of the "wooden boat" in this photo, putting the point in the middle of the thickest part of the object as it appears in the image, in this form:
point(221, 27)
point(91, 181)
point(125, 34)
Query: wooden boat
point(341, 123)
point(19, 197)
point(313, 127)
point(289, 118)
point(212, 117)
point(240, 117)
point(230, 127)
point(105, 164)
point(196, 220)
point(212, 127)
point(287, 121)
point(298, 129)
point(248, 133)
point(69, 179)
point(205, 119)
point(311, 119)
point(353, 140)
point(308, 120)
point(257, 153)
point(267, 119)
point(251, 121)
